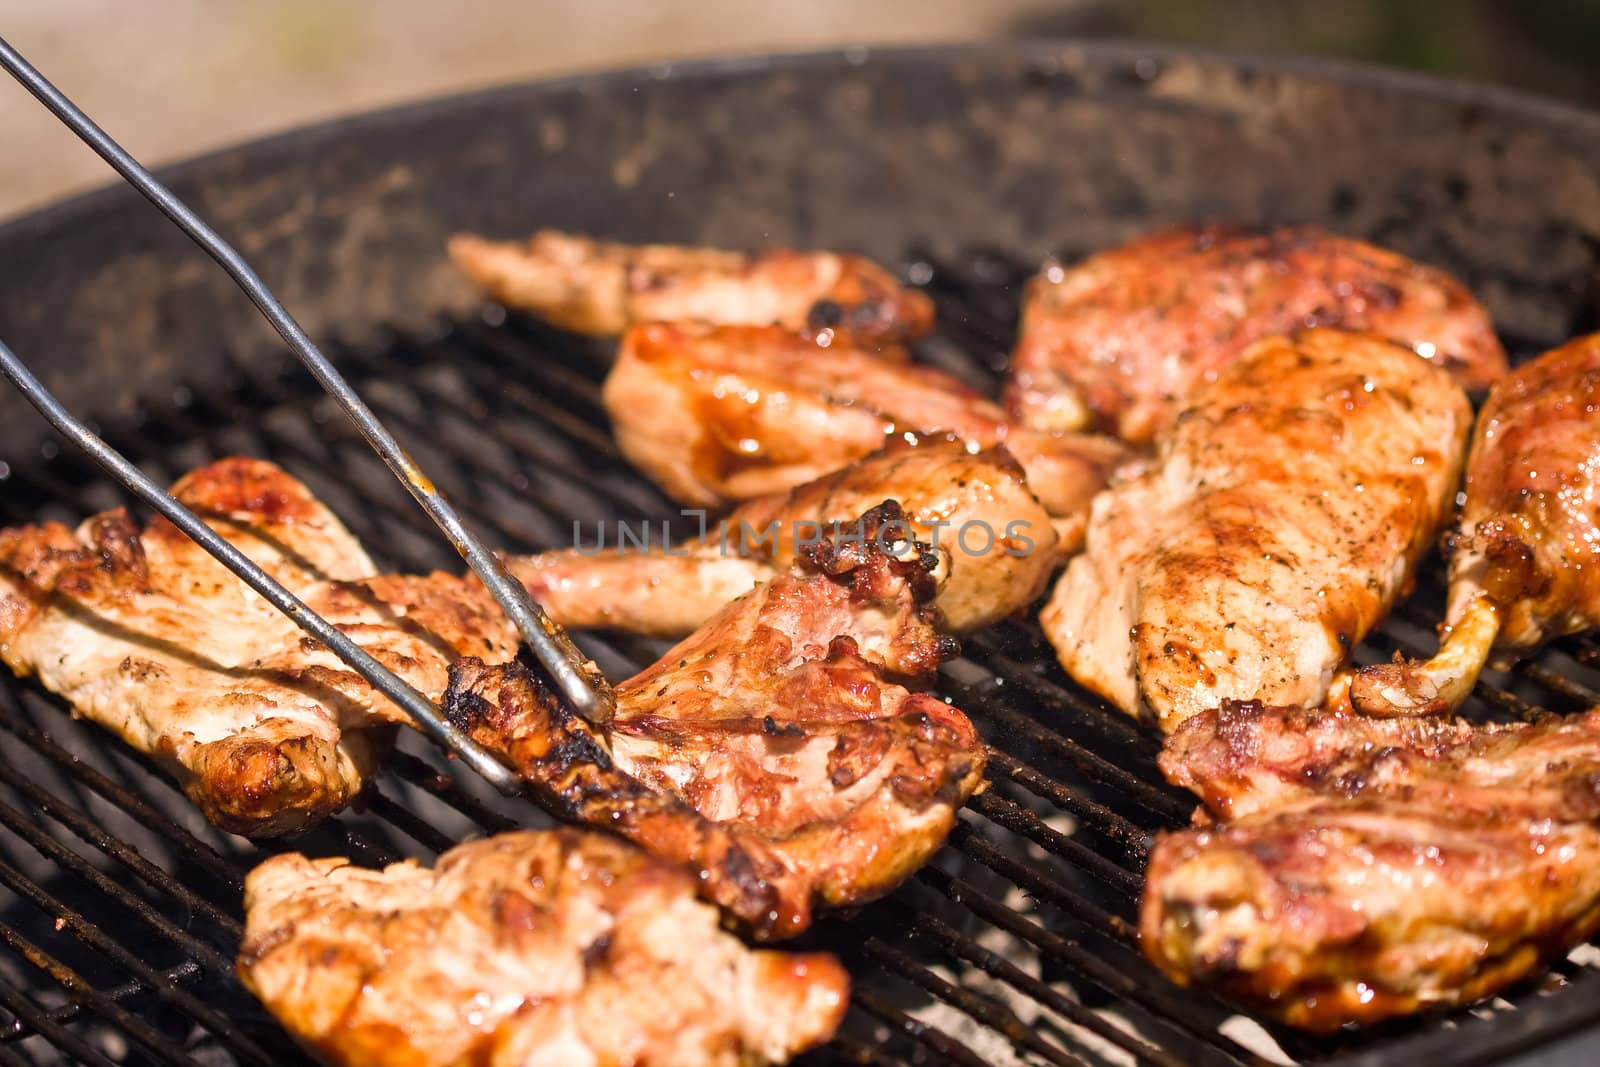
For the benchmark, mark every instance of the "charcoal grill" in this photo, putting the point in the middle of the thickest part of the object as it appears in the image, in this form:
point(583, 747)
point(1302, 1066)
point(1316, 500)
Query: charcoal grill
point(119, 906)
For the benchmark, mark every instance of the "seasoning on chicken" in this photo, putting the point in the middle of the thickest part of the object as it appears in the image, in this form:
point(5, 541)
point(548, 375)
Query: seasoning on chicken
point(1122, 340)
point(555, 949)
point(141, 631)
point(718, 415)
point(601, 287)
point(778, 751)
point(1280, 519)
point(997, 545)
point(1375, 867)
point(1525, 566)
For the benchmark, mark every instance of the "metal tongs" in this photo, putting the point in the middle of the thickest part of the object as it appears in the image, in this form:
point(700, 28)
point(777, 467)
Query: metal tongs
point(576, 678)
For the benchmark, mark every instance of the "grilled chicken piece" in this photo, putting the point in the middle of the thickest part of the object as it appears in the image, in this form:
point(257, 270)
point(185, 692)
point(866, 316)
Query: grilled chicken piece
point(718, 415)
point(1122, 340)
point(550, 949)
point(144, 633)
point(600, 287)
point(1375, 867)
point(1526, 561)
point(1282, 516)
point(777, 751)
point(998, 545)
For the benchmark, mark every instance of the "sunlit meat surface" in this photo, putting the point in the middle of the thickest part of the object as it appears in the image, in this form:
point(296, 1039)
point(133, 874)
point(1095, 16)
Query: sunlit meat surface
point(141, 631)
point(556, 949)
point(603, 287)
point(783, 751)
point(719, 415)
point(1525, 565)
point(1374, 867)
point(1121, 341)
point(1281, 517)
point(997, 545)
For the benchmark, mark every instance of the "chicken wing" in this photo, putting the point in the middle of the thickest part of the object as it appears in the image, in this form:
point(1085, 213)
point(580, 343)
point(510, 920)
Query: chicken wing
point(555, 949)
point(1122, 340)
point(1525, 567)
point(600, 287)
point(1282, 516)
point(144, 633)
point(1375, 867)
point(997, 544)
point(777, 751)
point(718, 415)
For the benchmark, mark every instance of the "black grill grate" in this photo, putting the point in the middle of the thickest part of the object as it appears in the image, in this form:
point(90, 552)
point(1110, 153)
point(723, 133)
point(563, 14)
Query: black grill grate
point(119, 912)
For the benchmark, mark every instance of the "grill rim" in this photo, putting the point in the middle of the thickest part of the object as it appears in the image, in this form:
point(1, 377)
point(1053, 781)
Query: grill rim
point(1508, 103)
point(1049, 52)
point(1101, 70)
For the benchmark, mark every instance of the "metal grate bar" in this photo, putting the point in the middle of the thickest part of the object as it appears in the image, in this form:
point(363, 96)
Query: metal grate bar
point(857, 1051)
point(930, 1037)
point(80, 825)
point(148, 816)
point(82, 990)
point(1567, 687)
point(1019, 820)
point(480, 371)
point(407, 822)
point(430, 780)
point(52, 849)
point(1171, 808)
point(1101, 818)
point(184, 972)
point(974, 844)
point(38, 1021)
point(991, 1013)
point(1089, 712)
point(1169, 1008)
point(997, 966)
point(9, 1057)
point(91, 935)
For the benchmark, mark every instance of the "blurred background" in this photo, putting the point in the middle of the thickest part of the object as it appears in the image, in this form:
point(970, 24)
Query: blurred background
point(174, 77)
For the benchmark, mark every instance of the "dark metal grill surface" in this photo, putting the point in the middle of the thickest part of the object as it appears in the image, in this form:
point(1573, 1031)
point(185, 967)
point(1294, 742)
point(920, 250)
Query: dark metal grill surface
point(119, 905)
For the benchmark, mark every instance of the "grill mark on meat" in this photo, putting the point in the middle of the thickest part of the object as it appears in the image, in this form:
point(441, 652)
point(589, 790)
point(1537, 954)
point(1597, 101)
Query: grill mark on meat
point(1281, 517)
point(789, 769)
point(550, 947)
point(1374, 867)
point(142, 632)
point(1123, 340)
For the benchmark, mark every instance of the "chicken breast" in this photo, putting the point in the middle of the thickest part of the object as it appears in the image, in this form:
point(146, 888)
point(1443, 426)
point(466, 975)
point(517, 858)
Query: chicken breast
point(997, 545)
point(1525, 560)
point(602, 287)
point(778, 751)
point(1282, 516)
point(556, 949)
point(1525, 565)
point(144, 633)
point(1374, 867)
point(1530, 529)
point(1121, 341)
point(719, 415)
